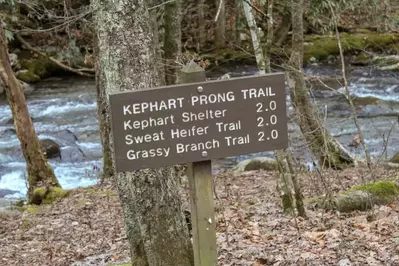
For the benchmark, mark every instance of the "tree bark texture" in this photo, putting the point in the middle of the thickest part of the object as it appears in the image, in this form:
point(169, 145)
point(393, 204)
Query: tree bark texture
point(172, 40)
point(260, 59)
point(330, 152)
point(40, 173)
point(102, 110)
point(155, 224)
point(201, 24)
point(220, 23)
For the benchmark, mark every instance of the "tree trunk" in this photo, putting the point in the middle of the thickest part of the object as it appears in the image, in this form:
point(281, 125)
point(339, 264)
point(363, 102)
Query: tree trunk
point(237, 26)
point(201, 24)
point(102, 110)
point(330, 152)
point(270, 34)
point(41, 178)
point(172, 40)
point(282, 31)
point(260, 59)
point(220, 23)
point(155, 224)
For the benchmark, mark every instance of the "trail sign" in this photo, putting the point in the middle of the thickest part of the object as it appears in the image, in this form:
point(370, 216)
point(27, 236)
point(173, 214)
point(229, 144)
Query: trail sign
point(198, 121)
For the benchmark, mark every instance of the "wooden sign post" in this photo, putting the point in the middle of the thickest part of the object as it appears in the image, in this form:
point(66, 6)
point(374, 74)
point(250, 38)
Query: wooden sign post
point(201, 192)
point(194, 122)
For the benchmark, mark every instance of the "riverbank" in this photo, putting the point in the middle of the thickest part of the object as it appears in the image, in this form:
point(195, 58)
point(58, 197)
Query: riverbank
point(86, 228)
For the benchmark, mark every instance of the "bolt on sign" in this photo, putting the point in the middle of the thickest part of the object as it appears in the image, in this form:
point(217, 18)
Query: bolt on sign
point(198, 121)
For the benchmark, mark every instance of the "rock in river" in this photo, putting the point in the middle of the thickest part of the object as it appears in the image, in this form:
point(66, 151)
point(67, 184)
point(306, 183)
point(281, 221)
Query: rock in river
point(50, 148)
point(67, 137)
point(72, 154)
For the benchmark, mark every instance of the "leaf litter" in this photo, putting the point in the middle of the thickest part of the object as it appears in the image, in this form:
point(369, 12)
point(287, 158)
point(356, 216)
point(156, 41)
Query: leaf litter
point(87, 227)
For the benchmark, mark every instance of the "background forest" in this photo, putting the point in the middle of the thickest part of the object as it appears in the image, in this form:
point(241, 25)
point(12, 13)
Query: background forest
point(329, 199)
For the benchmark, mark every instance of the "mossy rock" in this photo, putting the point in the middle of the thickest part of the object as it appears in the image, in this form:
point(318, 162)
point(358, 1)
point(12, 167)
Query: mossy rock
point(322, 46)
point(258, 163)
point(43, 195)
point(363, 101)
point(361, 198)
point(361, 59)
point(395, 158)
point(38, 68)
point(28, 76)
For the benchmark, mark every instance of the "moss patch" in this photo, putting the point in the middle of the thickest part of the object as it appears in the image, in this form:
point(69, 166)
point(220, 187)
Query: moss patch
point(363, 101)
point(395, 158)
point(42, 195)
point(28, 76)
point(361, 197)
point(31, 209)
point(385, 190)
point(321, 47)
point(38, 68)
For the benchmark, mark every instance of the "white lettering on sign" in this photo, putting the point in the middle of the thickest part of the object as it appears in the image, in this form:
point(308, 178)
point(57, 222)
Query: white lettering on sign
point(199, 146)
point(208, 114)
point(231, 141)
point(257, 93)
point(193, 131)
point(151, 153)
point(223, 127)
point(130, 139)
point(212, 98)
point(139, 108)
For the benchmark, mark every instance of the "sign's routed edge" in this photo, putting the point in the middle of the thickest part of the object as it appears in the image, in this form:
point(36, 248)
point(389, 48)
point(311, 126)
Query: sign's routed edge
point(112, 95)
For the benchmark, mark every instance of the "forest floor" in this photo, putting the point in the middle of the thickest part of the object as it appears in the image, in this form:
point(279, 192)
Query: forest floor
point(87, 227)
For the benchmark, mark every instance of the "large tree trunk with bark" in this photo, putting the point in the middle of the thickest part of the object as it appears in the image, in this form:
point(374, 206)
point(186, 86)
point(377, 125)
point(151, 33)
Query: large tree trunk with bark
point(220, 23)
point(41, 178)
point(155, 224)
point(172, 40)
point(329, 151)
point(102, 110)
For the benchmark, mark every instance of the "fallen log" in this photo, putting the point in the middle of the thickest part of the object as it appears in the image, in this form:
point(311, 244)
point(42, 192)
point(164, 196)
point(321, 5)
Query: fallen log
point(81, 72)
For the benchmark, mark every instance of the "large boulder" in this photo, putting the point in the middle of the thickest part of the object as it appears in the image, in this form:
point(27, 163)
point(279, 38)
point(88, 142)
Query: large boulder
point(72, 154)
point(50, 148)
point(395, 158)
point(258, 163)
point(67, 137)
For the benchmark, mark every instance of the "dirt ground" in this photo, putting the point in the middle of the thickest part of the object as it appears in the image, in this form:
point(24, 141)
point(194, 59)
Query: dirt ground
point(87, 227)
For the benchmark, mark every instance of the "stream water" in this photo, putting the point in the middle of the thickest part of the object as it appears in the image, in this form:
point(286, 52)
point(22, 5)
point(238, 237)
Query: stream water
point(64, 110)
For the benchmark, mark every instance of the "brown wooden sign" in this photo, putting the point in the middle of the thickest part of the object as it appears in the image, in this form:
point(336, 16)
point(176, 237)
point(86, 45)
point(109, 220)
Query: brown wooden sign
point(198, 121)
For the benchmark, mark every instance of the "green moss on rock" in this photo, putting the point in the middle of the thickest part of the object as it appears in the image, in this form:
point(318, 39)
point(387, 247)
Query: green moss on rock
point(361, 197)
point(384, 190)
point(28, 76)
point(321, 47)
point(395, 158)
point(43, 195)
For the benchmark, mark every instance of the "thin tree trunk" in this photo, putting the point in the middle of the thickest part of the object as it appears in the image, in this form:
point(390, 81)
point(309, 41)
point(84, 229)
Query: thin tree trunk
point(270, 34)
point(159, 34)
point(348, 95)
point(282, 31)
point(41, 178)
point(284, 184)
point(172, 41)
point(105, 127)
point(295, 183)
point(220, 23)
point(237, 26)
point(155, 224)
point(260, 59)
point(330, 152)
point(201, 24)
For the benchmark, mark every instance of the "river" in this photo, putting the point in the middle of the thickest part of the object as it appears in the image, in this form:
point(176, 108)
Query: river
point(63, 108)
